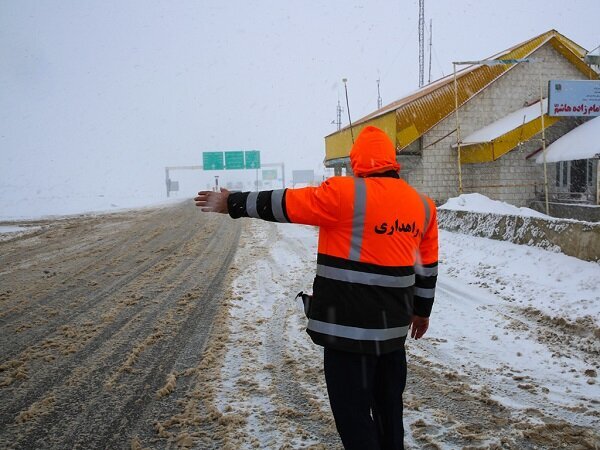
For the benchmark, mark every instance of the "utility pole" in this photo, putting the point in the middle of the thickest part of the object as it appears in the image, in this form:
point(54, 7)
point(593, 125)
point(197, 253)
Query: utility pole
point(379, 102)
point(345, 80)
point(421, 42)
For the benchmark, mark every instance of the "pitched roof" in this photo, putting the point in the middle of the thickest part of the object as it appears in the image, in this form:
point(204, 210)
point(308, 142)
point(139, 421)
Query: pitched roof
point(408, 118)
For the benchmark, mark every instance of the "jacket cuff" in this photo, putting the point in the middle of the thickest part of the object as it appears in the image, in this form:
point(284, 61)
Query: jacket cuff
point(422, 307)
point(236, 204)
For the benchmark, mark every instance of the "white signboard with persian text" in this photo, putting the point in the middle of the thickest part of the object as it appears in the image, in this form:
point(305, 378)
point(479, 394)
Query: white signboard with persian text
point(574, 98)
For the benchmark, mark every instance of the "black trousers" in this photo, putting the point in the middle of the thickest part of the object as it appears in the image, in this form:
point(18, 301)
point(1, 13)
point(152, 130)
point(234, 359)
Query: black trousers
point(365, 393)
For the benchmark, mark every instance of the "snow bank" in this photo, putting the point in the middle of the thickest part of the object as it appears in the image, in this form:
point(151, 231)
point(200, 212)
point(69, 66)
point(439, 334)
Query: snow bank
point(11, 229)
point(481, 203)
point(477, 215)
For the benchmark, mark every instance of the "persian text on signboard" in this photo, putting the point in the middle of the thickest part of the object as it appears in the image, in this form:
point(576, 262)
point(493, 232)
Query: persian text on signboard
point(574, 98)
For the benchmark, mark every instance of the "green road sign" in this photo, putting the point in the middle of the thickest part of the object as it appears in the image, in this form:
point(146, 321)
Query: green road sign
point(212, 160)
point(252, 159)
point(234, 160)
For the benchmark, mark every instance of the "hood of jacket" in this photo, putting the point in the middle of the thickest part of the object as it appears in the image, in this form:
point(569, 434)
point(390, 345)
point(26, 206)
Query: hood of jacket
point(373, 152)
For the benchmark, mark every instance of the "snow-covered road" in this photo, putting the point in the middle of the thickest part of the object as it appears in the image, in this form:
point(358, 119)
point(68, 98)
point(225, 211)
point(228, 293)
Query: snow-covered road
point(511, 357)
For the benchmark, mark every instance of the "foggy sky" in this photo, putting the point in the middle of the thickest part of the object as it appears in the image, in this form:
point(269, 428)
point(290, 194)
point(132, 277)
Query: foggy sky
point(98, 96)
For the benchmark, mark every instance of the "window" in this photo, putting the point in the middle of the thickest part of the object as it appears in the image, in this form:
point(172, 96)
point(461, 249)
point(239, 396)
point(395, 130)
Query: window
point(575, 175)
point(562, 172)
point(578, 175)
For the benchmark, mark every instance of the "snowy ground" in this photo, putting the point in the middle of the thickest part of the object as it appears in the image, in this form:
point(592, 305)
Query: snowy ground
point(510, 361)
point(58, 201)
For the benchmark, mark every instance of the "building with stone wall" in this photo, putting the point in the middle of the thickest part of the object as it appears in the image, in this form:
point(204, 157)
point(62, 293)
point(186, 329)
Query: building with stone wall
point(502, 166)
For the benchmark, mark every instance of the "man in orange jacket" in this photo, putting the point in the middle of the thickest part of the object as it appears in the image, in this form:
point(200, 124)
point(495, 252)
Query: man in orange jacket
point(376, 274)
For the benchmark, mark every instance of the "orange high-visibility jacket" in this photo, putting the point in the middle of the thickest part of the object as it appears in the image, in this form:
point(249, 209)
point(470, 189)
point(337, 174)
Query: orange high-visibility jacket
point(377, 253)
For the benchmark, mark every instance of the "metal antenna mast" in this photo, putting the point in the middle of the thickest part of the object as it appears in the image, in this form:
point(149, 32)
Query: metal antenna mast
point(430, 41)
point(338, 121)
point(421, 42)
point(379, 102)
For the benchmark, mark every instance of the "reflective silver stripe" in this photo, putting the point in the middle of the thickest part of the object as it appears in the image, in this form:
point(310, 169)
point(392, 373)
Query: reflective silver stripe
point(427, 212)
point(425, 293)
point(372, 279)
point(251, 205)
point(426, 271)
point(358, 221)
point(359, 334)
point(277, 205)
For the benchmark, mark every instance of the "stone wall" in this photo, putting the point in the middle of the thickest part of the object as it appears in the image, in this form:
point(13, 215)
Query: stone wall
point(588, 213)
point(578, 239)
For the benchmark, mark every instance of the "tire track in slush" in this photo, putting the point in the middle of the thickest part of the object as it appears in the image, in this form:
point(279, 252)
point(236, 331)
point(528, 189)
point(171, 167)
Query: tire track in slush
point(94, 341)
point(69, 233)
point(74, 247)
point(161, 355)
point(86, 404)
point(18, 343)
point(109, 334)
point(139, 241)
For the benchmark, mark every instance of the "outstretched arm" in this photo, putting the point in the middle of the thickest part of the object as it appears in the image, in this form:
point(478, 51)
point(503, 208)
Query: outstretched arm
point(209, 201)
point(308, 205)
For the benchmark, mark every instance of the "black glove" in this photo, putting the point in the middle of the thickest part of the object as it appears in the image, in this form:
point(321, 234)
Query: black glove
point(306, 299)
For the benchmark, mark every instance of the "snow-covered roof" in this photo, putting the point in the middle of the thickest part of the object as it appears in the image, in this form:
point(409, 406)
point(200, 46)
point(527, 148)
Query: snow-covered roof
point(506, 124)
point(582, 142)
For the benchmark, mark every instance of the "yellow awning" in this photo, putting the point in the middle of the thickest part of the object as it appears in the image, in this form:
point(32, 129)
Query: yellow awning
point(490, 151)
point(498, 138)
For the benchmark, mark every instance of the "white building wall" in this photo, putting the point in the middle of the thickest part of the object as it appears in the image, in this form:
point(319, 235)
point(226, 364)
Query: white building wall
point(511, 178)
